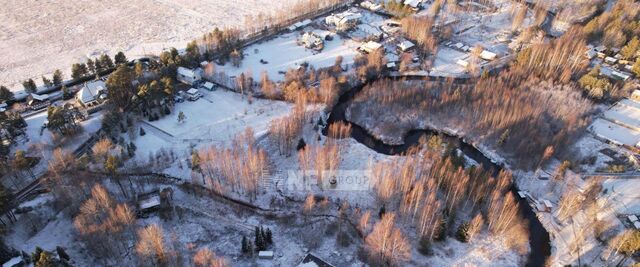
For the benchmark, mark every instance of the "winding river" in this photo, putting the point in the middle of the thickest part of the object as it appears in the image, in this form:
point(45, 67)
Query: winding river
point(538, 237)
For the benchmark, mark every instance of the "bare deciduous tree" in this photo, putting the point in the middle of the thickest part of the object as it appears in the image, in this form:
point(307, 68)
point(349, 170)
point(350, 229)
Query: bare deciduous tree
point(150, 245)
point(386, 245)
point(206, 258)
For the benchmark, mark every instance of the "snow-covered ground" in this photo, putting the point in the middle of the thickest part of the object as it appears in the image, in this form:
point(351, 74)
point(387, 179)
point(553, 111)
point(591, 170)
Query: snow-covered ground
point(41, 143)
point(611, 131)
point(446, 64)
point(212, 120)
point(37, 37)
point(283, 53)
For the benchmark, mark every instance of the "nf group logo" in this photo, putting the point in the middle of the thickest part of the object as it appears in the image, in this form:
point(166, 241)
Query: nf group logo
point(340, 180)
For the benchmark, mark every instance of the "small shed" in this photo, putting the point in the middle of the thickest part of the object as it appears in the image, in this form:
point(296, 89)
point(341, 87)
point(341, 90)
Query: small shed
point(265, 254)
point(209, 86)
point(610, 60)
point(632, 218)
point(463, 63)
point(371, 6)
point(148, 202)
point(636, 225)
point(370, 46)
point(312, 260)
point(522, 194)
point(488, 55)
point(547, 205)
point(391, 65)
point(405, 45)
point(36, 101)
point(415, 4)
point(192, 94)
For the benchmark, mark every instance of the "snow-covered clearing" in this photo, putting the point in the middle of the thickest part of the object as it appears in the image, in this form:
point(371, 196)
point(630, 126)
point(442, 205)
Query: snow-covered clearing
point(283, 53)
point(37, 37)
point(446, 64)
point(614, 132)
point(214, 119)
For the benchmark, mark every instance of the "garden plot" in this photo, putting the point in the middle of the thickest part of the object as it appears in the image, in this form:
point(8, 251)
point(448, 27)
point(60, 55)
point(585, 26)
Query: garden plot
point(283, 53)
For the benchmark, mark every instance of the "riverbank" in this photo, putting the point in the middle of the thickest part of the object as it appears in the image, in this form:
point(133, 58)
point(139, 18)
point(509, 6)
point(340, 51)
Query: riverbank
point(539, 240)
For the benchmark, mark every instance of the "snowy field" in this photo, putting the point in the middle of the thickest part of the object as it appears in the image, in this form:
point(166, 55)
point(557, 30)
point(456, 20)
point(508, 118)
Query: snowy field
point(37, 37)
point(446, 64)
point(214, 119)
point(283, 53)
point(625, 113)
point(614, 132)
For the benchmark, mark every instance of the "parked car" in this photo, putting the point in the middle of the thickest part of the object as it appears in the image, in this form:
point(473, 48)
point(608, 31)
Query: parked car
point(178, 99)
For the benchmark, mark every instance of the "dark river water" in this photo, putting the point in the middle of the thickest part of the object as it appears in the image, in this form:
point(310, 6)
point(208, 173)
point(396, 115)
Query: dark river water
point(538, 236)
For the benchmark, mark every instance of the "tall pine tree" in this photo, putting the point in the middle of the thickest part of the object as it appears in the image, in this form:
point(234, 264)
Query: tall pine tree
point(269, 237)
point(245, 245)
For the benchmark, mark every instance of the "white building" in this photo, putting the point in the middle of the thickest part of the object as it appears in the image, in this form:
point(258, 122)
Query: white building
point(265, 254)
point(312, 260)
point(462, 62)
point(189, 76)
point(488, 55)
point(312, 41)
point(415, 4)
point(405, 45)
point(192, 94)
point(370, 32)
point(92, 93)
point(370, 46)
point(209, 86)
point(371, 6)
point(344, 21)
point(610, 60)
